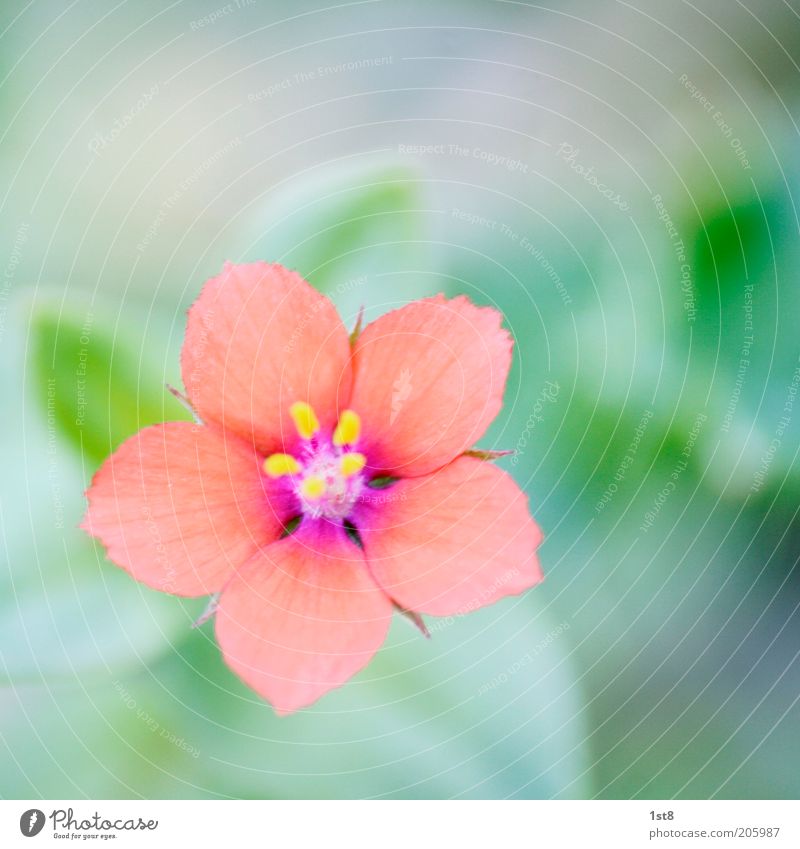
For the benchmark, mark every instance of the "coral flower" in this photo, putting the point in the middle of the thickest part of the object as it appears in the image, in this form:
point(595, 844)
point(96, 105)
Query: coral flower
point(326, 482)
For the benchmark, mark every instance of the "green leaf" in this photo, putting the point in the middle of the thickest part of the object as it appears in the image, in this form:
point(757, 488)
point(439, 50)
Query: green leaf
point(65, 612)
point(98, 376)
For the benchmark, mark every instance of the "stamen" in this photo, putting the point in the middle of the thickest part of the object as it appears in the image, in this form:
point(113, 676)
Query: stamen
point(352, 463)
point(305, 419)
point(326, 470)
point(313, 488)
point(348, 430)
point(277, 465)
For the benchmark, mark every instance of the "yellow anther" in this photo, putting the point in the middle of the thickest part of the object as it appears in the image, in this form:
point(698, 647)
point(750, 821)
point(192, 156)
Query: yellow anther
point(313, 488)
point(277, 465)
point(305, 419)
point(348, 429)
point(352, 463)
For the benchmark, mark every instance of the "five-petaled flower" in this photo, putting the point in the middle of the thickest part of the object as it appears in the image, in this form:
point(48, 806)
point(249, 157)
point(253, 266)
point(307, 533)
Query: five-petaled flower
point(306, 495)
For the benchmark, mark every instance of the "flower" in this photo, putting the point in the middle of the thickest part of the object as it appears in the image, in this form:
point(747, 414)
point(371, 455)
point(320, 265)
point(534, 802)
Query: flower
point(326, 481)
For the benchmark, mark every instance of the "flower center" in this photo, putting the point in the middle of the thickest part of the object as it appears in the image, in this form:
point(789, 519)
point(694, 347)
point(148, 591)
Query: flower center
point(326, 476)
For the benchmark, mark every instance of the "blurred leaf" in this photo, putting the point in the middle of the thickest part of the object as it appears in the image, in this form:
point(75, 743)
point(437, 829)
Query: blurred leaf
point(748, 345)
point(76, 617)
point(93, 739)
point(732, 245)
point(488, 707)
point(355, 231)
point(65, 612)
point(100, 381)
point(331, 229)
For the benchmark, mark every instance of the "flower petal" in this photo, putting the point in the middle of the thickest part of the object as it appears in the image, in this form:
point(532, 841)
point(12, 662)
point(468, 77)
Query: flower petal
point(258, 339)
point(427, 381)
point(453, 541)
point(302, 617)
point(181, 506)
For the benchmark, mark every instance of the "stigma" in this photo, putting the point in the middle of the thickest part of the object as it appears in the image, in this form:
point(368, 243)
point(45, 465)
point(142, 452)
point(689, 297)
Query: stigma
point(326, 476)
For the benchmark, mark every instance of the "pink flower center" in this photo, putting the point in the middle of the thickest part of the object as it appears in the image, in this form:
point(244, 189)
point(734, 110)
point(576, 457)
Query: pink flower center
point(323, 488)
point(327, 477)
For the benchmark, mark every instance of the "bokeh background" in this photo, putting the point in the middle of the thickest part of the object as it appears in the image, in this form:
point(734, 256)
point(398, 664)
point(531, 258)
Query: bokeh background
point(619, 178)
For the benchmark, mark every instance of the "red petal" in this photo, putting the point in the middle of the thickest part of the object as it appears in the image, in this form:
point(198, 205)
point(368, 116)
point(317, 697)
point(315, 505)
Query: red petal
point(428, 380)
point(258, 339)
point(302, 617)
point(453, 541)
point(180, 506)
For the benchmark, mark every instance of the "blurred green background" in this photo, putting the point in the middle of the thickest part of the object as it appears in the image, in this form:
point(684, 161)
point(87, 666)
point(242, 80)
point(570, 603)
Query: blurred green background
point(621, 180)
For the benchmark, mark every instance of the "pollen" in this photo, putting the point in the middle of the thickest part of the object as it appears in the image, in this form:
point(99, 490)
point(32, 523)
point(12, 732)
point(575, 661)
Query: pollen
point(351, 464)
point(313, 488)
point(305, 419)
point(278, 465)
point(326, 472)
point(348, 429)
